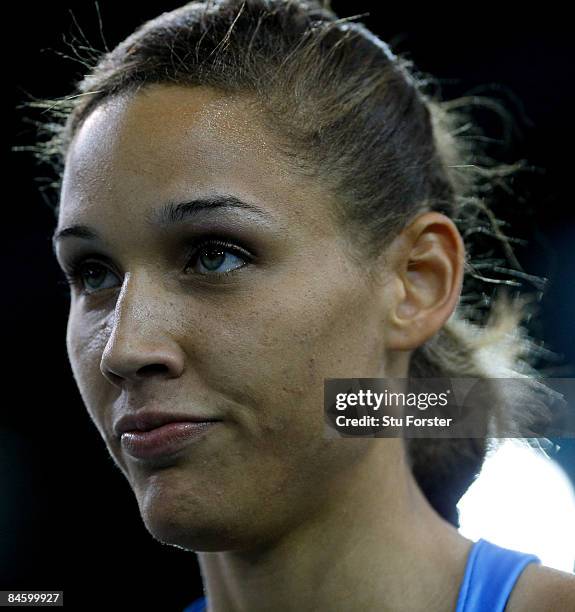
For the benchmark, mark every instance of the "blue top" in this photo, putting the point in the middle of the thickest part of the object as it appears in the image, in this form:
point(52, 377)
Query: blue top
point(490, 575)
point(196, 606)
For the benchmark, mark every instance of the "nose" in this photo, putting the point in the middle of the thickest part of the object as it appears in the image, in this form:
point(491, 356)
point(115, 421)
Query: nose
point(140, 345)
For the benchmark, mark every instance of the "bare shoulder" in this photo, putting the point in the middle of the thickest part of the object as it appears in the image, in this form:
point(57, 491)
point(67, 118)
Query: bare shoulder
point(543, 589)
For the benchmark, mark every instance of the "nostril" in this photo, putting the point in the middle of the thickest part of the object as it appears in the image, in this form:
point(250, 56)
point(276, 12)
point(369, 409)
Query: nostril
point(122, 366)
point(152, 368)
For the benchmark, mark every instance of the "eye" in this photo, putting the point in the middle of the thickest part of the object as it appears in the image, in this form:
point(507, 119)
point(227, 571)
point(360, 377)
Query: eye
point(217, 257)
point(89, 276)
point(213, 257)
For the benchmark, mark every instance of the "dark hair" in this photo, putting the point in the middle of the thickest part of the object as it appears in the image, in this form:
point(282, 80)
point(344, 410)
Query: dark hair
point(364, 121)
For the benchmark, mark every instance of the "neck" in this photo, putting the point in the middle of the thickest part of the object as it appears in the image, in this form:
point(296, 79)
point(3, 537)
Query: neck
point(377, 545)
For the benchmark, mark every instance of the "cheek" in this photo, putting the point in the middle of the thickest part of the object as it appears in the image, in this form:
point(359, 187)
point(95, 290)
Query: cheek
point(298, 336)
point(86, 339)
point(274, 367)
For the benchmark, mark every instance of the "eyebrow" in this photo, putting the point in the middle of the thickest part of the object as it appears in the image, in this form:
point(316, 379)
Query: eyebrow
point(171, 214)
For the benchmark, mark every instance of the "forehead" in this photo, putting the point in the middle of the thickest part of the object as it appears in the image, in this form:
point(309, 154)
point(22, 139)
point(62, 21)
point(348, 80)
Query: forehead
point(171, 142)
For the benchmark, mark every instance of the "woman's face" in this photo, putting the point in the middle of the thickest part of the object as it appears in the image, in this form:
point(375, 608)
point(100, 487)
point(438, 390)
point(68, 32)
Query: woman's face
point(152, 328)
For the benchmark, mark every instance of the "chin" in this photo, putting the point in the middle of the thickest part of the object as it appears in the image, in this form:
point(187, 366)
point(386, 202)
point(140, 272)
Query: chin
point(200, 518)
point(205, 534)
point(176, 519)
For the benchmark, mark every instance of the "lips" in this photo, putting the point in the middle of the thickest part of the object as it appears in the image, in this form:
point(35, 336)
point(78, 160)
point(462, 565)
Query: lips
point(166, 442)
point(147, 421)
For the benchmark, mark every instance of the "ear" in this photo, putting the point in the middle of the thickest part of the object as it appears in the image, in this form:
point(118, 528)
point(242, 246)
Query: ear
point(427, 264)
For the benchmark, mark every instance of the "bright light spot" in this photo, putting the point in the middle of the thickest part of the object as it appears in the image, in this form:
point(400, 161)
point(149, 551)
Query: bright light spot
point(524, 501)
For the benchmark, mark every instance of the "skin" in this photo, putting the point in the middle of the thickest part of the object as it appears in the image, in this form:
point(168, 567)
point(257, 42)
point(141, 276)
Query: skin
point(281, 517)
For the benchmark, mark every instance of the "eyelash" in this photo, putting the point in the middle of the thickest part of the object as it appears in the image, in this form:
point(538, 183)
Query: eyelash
point(75, 269)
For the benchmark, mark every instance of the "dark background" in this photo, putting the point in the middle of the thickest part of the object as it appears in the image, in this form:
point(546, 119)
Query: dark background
point(68, 519)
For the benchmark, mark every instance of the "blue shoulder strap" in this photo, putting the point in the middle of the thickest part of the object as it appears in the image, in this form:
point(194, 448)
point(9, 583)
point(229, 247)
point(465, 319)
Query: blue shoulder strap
point(490, 575)
point(199, 605)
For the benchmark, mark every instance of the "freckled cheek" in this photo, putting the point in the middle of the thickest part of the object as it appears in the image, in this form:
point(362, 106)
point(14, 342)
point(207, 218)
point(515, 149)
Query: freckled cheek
point(85, 344)
point(287, 361)
point(313, 336)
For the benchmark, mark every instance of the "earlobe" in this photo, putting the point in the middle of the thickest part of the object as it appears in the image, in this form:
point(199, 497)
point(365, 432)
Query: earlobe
point(428, 274)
